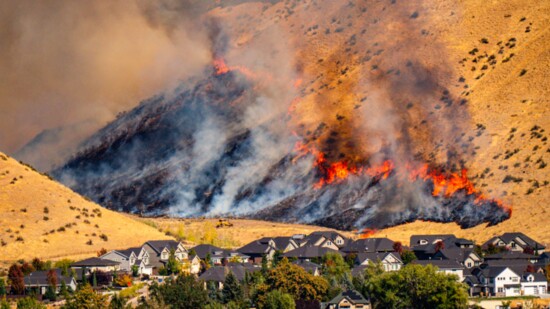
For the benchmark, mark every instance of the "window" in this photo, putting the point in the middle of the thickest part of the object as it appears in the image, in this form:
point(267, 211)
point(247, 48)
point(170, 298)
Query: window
point(500, 290)
point(329, 243)
point(469, 264)
point(339, 241)
point(423, 242)
point(513, 244)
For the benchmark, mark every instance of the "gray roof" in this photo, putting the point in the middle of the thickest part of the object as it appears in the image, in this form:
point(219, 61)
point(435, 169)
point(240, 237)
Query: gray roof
point(282, 242)
point(353, 296)
point(538, 277)
point(508, 237)
point(203, 250)
point(329, 235)
point(457, 254)
point(375, 256)
point(40, 278)
point(257, 247)
point(415, 239)
point(449, 242)
point(159, 245)
point(95, 262)
point(309, 252)
point(441, 264)
point(369, 245)
point(511, 255)
point(218, 273)
point(128, 252)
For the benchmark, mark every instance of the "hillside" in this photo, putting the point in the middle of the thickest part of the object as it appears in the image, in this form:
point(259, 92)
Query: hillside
point(450, 85)
point(42, 218)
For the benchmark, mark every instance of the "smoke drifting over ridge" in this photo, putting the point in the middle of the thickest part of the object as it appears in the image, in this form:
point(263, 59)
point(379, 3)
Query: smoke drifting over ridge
point(353, 128)
point(69, 62)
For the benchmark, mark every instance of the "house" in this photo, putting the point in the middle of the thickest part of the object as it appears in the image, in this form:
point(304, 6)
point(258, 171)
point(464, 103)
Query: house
point(38, 281)
point(349, 299)
point(219, 255)
point(498, 281)
point(285, 244)
point(258, 249)
point(96, 264)
point(449, 267)
point(389, 260)
point(467, 257)
point(325, 239)
point(310, 267)
point(534, 284)
point(126, 258)
point(369, 245)
point(515, 242)
point(217, 274)
point(193, 265)
point(426, 246)
point(310, 252)
point(154, 255)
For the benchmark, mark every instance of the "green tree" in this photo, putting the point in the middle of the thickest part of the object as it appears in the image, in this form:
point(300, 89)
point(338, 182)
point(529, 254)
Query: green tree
point(181, 292)
point(294, 280)
point(16, 279)
point(135, 270)
point(407, 256)
point(29, 303)
point(64, 265)
point(214, 305)
point(414, 286)
point(279, 300)
point(335, 268)
point(173, 266)
point(277, 256)
point(86, 298)
point(50, 294)
point(232, 290)
point(2, 287)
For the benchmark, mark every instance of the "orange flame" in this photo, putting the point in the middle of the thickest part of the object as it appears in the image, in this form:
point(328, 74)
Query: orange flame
point(366, 233)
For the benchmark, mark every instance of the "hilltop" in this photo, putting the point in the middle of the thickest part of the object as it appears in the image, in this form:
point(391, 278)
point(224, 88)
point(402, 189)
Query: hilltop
point(42, 218)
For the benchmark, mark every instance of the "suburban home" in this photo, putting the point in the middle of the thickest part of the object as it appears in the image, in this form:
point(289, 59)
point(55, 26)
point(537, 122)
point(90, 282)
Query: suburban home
point(37, 281)
point(515, 242)
point(349, 299)
point(310, 252)
point(467, 257)
point(389, 260)
point(154, 255)
point(95, 263)
point(127, 258)
point(369, 245)
point(219, 255)
point(192, 265)
point(258, 249)
point(499, 281)
point(217, 274)
point(326, 239)
point(450, 267)
point(285, 244)
point(534, 284)
point(310, 267)
point(426, 246)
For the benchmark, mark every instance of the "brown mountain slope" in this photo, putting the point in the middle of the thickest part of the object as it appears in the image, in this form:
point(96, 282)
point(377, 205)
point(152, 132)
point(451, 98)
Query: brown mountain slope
point(493, 55)
point(42, 218)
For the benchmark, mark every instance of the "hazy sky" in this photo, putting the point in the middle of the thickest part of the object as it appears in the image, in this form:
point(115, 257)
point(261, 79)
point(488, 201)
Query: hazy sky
point(65, 62)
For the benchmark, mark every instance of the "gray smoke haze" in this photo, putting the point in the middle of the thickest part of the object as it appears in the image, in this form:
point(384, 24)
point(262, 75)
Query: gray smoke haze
point(222, 144)
point(67, 62)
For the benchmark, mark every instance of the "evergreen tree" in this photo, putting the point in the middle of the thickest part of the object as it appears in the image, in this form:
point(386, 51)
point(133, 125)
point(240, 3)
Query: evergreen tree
point(232, 290)
point(50, 294)
point(277, 256)
point(173, 266)
point(29, 303)
point(182, 292)
point(94, 280)
point(407, 256)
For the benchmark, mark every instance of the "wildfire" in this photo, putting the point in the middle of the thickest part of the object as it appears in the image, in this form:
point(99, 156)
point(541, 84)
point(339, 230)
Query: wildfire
point(366, 233)
point(444, 184)
point(222, 68)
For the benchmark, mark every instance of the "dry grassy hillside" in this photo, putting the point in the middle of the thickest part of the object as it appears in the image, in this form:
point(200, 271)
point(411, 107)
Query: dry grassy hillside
point(510, 98)
point(42, 218)
point(493, 56)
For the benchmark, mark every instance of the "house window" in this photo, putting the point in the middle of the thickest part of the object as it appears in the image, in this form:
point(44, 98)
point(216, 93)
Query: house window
point(469, 264)
point(329, 243)
point(423, 242)
point(513, 244)
point(500, 290)
point(339, 241)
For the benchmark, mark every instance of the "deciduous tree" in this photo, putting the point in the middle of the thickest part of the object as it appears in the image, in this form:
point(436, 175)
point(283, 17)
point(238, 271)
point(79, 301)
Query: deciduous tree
point(294, 280)
point(16, 279)
point(87, 298)
point(182, 292)
point(279, 300)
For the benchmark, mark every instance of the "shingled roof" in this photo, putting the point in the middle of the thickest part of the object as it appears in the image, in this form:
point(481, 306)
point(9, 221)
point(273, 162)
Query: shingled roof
point(40, 278)
point(508, 237)
point(310, 252)
point(218, 273)
point(95, 262)
point(159, 245)
point(352, 296)
point(369, 245)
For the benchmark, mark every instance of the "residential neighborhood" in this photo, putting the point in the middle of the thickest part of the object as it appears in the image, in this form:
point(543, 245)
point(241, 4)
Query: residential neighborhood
point(509, 265)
